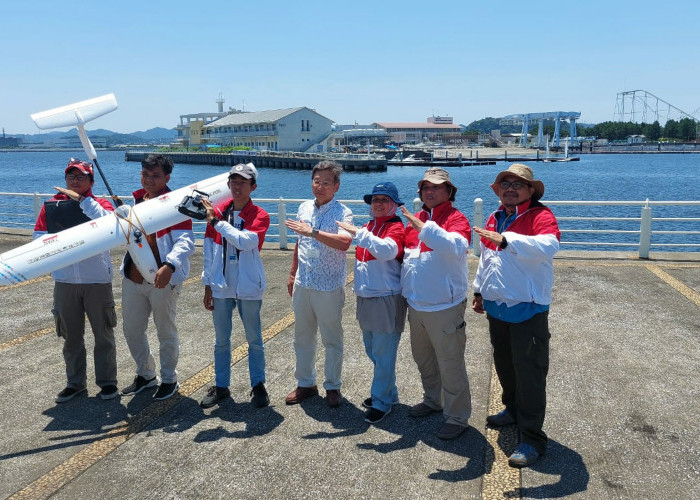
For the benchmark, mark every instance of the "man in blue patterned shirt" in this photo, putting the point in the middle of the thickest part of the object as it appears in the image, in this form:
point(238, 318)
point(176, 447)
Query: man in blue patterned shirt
point(317, 284)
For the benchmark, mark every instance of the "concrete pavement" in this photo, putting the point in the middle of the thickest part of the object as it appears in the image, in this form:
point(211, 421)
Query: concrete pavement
point(622, 403)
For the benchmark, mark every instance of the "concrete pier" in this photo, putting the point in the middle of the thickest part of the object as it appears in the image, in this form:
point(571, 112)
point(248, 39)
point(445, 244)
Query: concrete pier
point(622, 403)
point(270, 159)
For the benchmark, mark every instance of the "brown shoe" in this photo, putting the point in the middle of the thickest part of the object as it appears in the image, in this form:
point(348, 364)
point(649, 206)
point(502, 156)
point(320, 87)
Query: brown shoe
point(333, 398)
point(300, 394)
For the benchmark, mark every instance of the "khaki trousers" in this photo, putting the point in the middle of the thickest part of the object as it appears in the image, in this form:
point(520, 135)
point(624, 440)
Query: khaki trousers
point(71, 302)
point(438, 342)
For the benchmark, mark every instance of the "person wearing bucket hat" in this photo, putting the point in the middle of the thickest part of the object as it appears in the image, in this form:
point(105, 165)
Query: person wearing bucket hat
point(381, 310)
point(513, 286)
point(317, 284)
point(82, 289)
point(434, 281)
point(234, 278)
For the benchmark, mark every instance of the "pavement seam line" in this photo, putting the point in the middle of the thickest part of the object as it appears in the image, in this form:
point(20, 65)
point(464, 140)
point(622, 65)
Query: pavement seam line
point(49, 483)
point(675, 283)
point(500, 480)
point(62, 474)
point(45, 331)
point(25, 283)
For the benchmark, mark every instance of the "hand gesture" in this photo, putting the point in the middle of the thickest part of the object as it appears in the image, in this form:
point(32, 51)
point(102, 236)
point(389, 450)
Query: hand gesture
point(412, 219)
point(348, 227)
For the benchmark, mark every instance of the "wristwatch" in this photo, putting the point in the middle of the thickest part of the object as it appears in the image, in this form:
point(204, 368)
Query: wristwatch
point(214, 221)
point(170, 265)
point(314, 232)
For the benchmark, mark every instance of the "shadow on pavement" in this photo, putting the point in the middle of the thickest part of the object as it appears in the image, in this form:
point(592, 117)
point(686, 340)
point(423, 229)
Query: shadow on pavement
point(471, 445)
point(563, 462)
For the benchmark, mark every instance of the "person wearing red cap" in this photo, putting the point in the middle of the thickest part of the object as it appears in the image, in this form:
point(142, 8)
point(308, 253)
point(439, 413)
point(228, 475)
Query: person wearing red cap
point(84, 288)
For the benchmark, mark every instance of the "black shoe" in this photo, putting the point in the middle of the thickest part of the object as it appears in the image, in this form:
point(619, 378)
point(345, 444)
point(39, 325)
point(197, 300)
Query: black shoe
point(500, 419)
point(108, 392)
point(260, 398)
point(139, 384)
point(68, 393)
point(166, 390)
point(374, 416)
point(367, 403)
point(214, 396)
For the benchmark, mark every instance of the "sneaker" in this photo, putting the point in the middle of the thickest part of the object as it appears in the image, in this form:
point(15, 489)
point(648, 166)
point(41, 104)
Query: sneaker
point(214, 396)
point(260, 398)
point(501, 419)
point(108, 392)
point(166, 390)
point(450, 431)
point(421, 410)
point(523, 456)
point(367, 403)
point(374, 416)
point(69, 393)
point(139, 384)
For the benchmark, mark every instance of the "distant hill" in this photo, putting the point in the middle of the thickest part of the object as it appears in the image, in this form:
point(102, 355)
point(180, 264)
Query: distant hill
point(157, 135)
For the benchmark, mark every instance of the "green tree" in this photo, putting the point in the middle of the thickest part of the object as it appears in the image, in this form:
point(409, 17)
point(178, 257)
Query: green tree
point(671, 130)
point(686, 129)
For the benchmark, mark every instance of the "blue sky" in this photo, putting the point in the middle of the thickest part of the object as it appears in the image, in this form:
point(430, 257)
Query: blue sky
point(352, 61)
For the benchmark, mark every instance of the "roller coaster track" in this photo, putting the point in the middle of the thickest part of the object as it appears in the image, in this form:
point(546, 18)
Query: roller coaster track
point(641, 106)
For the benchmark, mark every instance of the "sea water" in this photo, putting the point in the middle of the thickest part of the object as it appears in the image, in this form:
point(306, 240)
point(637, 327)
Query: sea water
point(628, 177)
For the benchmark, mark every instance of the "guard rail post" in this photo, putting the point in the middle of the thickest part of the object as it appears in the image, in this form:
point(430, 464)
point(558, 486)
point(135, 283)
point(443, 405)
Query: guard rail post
point(645, 232)
point(37, 205)
point(478, 222)
point(281, 217)
point(417, 204)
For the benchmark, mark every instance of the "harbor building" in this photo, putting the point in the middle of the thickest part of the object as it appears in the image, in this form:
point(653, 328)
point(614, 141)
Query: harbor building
point(292, 129)
point(189, 131)
point(413, 133)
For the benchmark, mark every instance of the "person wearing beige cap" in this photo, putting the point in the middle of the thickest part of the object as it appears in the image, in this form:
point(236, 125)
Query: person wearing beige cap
point(434, 281)
point(513, 286)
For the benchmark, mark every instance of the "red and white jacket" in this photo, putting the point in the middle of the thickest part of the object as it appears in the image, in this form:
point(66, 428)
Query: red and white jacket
point(434, 275)
point(248, 241)
point(175, 243)
point(96, 269)
point(378, 257)
point(524, 270)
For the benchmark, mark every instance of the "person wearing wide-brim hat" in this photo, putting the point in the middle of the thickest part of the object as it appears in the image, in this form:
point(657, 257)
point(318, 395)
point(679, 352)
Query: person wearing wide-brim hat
point(381, 310)
point(434, 281)
point(513, 285)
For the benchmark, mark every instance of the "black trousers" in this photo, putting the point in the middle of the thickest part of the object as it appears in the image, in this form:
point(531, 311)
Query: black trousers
point(521, 359)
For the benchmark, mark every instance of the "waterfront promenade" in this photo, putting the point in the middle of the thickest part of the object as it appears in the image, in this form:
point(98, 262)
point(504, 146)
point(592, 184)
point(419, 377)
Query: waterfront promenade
point(622, 403)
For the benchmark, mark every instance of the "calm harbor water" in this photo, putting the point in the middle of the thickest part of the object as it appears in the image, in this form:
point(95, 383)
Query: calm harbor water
point(658, 177)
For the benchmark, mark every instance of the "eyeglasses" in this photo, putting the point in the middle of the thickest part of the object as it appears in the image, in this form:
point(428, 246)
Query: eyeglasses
point(515, 185)
point(324, 185)
point(79, 177)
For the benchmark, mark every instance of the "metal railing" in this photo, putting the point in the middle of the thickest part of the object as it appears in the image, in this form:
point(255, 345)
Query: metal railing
point(591, 222)
point(642, 225)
